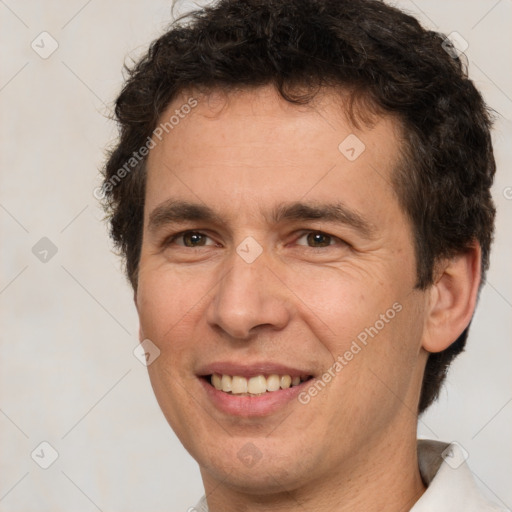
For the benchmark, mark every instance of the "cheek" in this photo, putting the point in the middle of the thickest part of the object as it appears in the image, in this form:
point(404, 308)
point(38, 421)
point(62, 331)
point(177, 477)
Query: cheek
point(166, 302)
point(389, 364)
point(166, 306)
point(338, 304)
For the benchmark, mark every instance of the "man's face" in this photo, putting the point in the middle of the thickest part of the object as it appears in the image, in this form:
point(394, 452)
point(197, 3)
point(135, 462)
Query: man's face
point(295, 257)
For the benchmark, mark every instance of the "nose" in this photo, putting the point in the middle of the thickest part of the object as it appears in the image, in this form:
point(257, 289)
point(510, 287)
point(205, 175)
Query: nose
point(248, 297)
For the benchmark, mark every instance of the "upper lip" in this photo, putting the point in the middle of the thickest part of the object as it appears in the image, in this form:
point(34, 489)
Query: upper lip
point(250, 370)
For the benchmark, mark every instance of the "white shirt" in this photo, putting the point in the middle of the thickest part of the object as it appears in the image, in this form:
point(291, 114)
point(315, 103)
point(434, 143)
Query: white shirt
point(450, 483)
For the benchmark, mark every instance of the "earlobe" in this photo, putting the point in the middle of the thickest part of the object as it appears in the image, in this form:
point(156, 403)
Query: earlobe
point(453, 299)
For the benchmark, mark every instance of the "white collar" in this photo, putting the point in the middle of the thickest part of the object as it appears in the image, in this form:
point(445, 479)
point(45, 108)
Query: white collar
point(450, 483)
point(451, 486)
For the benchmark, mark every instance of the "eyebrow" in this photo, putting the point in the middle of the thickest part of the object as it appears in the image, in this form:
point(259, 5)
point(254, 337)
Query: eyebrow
point(175, 211)
point(179, 211)
point(330, 212)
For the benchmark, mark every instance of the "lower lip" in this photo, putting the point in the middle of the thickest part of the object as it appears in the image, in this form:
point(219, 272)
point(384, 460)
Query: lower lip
point(249, 406)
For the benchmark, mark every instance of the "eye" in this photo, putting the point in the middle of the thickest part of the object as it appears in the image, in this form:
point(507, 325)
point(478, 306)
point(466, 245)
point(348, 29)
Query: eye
point(318, 239)
point(188, 239)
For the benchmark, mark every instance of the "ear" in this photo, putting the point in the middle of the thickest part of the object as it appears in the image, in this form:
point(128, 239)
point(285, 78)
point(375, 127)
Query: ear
point(452, 298)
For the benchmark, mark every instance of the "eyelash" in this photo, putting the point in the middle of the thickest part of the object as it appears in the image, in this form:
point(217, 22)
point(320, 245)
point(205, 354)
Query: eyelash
point(169, 240)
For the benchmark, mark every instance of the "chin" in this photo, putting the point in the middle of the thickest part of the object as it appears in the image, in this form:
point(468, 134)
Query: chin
point(245, 468)
point(260, 479)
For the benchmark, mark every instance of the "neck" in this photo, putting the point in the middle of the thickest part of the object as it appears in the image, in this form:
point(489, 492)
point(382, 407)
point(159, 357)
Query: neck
point(385, 478)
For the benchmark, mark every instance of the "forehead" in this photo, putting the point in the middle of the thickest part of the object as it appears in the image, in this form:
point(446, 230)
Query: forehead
point(247, 148)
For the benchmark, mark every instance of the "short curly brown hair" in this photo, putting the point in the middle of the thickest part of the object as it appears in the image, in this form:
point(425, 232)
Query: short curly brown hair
point(374, 51)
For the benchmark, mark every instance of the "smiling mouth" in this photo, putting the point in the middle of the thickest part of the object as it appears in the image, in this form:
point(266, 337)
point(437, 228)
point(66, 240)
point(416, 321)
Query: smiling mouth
point(254, 386)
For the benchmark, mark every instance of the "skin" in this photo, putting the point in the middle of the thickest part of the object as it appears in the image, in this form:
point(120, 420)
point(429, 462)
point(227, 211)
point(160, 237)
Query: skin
point(353, 445)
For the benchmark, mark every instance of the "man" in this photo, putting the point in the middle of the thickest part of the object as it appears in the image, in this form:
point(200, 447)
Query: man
point(301, 193)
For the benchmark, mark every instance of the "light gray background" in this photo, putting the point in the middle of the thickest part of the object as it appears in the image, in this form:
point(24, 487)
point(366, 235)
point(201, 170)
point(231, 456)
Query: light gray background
point(68, 326)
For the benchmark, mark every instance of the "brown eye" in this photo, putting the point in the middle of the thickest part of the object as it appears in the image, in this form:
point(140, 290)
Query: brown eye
point(317, 239)
point(189, 239)
point(193, 239)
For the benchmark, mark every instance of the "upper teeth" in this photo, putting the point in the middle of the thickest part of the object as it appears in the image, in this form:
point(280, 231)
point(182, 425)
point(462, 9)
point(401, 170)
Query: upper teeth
point(255, 385)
